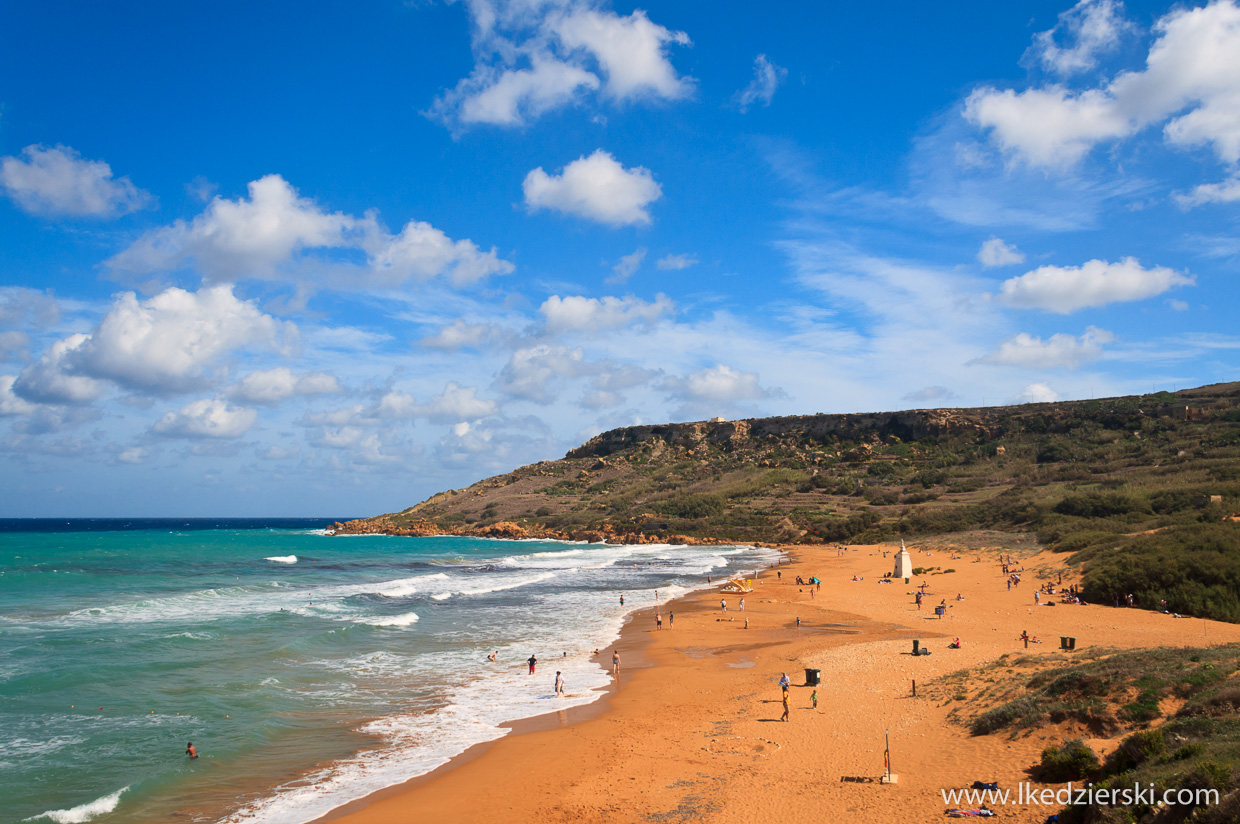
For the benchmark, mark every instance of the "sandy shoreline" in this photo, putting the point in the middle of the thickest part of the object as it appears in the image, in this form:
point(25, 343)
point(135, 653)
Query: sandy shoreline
point(692, 732)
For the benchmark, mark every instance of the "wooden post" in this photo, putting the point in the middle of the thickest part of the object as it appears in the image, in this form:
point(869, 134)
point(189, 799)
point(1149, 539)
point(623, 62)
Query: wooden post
point(914, 687)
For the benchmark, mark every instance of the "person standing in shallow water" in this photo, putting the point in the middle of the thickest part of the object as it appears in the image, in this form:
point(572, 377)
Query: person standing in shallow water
point(191, 750)
point(559, 685)
point(615, 662)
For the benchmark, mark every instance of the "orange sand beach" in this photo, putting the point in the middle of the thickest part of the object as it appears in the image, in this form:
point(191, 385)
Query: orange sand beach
point(693, 733)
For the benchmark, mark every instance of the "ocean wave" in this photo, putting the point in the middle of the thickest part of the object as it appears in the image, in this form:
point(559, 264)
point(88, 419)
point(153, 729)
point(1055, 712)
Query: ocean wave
point(402, 620)
point(282, 559)
point(499, 587)
point(26, 747)
point(83, 812)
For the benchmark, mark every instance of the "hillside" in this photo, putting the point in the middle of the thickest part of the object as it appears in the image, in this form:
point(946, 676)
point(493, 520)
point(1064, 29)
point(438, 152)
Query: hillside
point(1128, 482)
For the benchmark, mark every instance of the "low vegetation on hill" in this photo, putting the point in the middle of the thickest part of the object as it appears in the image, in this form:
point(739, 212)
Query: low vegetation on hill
point(1178, 711)
point(1144, 489)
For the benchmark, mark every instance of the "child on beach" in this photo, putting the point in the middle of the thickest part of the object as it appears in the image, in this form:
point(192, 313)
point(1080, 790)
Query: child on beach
point(813, 697)
point(784, 717)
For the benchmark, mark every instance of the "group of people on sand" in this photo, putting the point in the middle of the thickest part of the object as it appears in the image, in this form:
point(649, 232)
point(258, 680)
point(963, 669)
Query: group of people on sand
point(785, 684)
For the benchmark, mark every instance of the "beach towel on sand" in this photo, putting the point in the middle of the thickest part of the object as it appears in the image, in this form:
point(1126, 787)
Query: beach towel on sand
point(980, 812)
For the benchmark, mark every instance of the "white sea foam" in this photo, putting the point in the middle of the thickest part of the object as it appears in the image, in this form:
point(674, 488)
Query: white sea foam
point(282, 559)
point(497, 587)
point(83, 812)
point(402, 620)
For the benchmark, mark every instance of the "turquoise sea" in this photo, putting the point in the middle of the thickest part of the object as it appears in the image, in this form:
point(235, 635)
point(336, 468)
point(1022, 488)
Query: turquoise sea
point(308, 670)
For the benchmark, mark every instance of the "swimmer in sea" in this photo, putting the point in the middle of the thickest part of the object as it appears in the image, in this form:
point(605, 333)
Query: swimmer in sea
point(191, 750)
point(493, 656)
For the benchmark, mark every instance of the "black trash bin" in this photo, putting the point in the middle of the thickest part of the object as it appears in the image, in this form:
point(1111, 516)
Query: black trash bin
point(813, 677)
point(917, 647)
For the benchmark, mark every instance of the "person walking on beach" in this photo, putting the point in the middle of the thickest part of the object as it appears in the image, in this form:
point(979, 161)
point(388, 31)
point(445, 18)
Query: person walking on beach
point(658, 620)
point(784, 717)
point(742, 605)
point(191, 750)
point(559, 685)
point(615, 662)
point(784, 682)
point(813, 697)
point(723, 604)
point(532, 661)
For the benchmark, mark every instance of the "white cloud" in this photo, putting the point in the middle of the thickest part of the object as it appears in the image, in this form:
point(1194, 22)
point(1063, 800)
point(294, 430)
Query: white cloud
point(207, 418)
point(170, 342)
point(459, 334)
point(595, 187)
point(718, 383)
point(576, 313)
point(277, 234)
point(1036, 393)
point(13, 345)
point(630, 51)
point(535, 56)
point(1193, 65)
point(1226, 192)
point(274, 386)
point(1095, 26)
point(676, 262)
point(50, 380)
point(627, 265)
point(20, 305)
point(533, 372)
point(59, 181)
point(995, 252)
point(766, 79)
point(1059, 350)
point(1177, 305)
point(10, 402)
point(1066, 289)
point(516, 96)
point(133, 455)
point(931, 393)
point(457, 403)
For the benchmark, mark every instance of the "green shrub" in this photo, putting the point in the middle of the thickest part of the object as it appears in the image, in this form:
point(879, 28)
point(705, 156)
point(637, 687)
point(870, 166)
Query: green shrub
point(1073, 761)
point(1135, 750)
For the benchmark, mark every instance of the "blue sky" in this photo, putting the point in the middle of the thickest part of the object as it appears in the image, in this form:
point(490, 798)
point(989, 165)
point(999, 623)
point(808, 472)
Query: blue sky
point(313, 259)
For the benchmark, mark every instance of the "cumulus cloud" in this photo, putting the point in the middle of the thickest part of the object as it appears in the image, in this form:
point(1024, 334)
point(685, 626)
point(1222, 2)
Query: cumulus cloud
point(59, 181)
point(1226, 192)
point(1090, 28)
point(10, 402)
point(631, 51)
point(576, 313)
point(995, 252)
point(597, 188)
point(766, 79)
point(51, 380)
point(458, 335)
point(1059, 350)
point(1036, 393)
point(510, 98)
point(1191, 80)
point(627, 265)
point(534, 57)
point(1065, 289)
point(170, 342)
point(457, 403)
point(276, 234)
point(718, 383)
point(208, 418)
point(534, 372)
point(275, 386)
